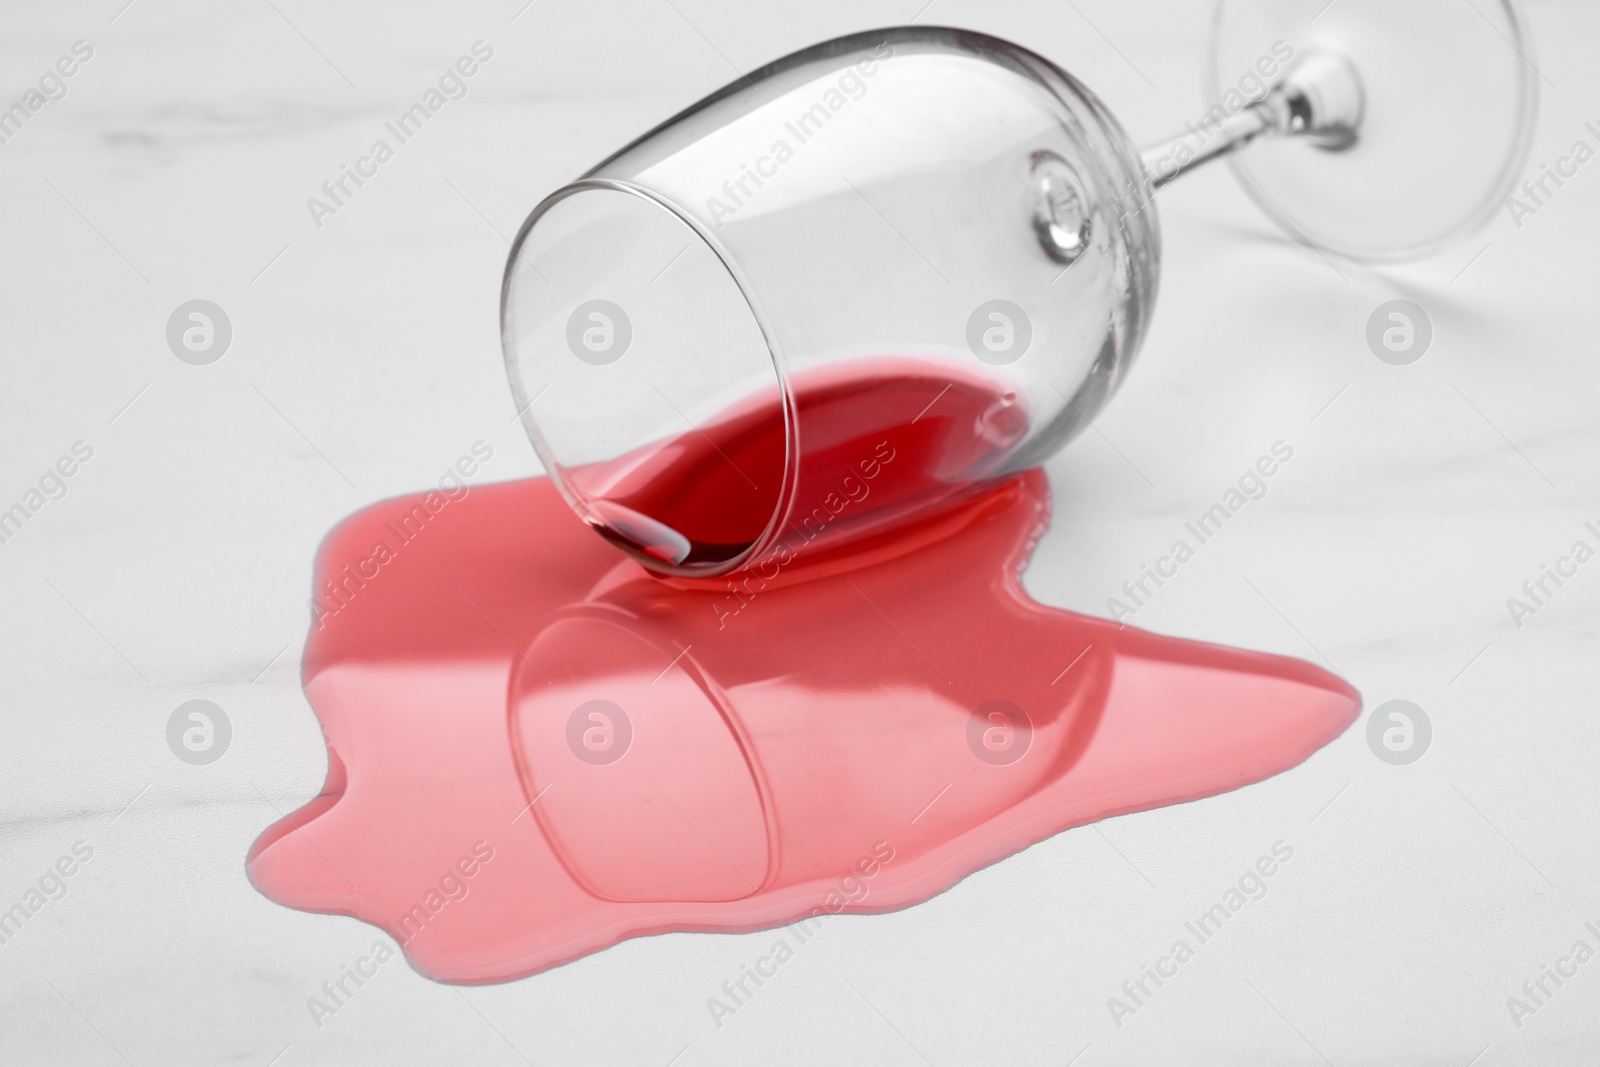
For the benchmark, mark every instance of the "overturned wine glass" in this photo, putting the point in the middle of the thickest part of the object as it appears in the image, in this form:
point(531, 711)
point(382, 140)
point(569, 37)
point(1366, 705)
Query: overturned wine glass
point(875, 277)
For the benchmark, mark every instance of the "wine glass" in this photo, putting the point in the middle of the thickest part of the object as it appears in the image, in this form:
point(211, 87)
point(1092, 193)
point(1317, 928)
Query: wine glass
point(876, 277)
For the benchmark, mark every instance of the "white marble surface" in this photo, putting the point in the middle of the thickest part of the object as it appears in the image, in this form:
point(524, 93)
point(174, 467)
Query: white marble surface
point(1420, 898)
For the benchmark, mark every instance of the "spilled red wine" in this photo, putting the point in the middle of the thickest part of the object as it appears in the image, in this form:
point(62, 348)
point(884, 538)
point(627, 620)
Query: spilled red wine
point(538, 749)
point(708, 495)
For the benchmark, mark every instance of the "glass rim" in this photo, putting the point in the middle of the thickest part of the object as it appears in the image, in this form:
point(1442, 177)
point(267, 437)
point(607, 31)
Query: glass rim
point(553, 467)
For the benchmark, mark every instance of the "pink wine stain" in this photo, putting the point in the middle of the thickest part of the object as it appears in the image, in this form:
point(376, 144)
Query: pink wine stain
point(537, 749)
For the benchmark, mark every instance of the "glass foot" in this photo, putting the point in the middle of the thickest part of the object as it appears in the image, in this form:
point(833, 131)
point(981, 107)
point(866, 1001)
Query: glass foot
point(1420, 149)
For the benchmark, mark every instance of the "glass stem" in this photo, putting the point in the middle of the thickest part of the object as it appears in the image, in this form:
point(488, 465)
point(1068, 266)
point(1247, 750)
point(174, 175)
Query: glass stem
point(1165, 160)
point(1320, 100)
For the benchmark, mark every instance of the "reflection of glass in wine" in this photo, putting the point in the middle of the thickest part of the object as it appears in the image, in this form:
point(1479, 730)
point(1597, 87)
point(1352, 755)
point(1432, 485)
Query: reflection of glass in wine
point(537, 749)
point(955, 201)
